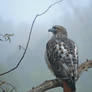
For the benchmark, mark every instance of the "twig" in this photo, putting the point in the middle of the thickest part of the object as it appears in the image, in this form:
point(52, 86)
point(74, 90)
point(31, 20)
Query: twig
point(57, 82)
point(3, 90)
point(29, 38)
point(2, 83)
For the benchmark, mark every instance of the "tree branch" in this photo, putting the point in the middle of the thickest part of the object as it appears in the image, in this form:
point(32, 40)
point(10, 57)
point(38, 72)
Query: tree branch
point(59, 83)
point(47, 85)
point(17, 65)
point(84, 67)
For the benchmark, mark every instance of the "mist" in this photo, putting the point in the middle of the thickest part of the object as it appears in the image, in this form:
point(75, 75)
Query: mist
point(16, 17)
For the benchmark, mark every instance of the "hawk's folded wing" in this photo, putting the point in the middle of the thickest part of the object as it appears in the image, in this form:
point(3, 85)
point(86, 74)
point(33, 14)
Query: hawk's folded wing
point(62, 57)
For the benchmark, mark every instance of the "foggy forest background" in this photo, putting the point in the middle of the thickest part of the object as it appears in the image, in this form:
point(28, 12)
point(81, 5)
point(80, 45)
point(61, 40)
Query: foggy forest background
point(16, 17)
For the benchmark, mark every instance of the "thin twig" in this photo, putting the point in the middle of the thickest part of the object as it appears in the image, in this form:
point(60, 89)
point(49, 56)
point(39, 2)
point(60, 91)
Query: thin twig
point(29, 38)
point(2, 83)
point(3, 90)
point(13, 88)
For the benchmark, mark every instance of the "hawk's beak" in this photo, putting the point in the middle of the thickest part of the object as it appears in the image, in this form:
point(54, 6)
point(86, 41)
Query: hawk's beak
point(51, 30)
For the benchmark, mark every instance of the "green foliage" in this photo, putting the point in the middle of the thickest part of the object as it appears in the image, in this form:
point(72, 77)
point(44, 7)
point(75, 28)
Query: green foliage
point(5, 86)
point(6, 37)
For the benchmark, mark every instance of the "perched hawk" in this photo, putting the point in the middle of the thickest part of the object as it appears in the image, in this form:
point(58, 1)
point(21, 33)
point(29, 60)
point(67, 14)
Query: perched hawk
point(62, 55)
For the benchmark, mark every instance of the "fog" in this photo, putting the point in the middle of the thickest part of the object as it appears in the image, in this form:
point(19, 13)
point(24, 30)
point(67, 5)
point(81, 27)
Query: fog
point(16, 17)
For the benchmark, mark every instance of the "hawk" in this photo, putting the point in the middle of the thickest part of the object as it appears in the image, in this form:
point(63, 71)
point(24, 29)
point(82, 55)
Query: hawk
point(61, 56)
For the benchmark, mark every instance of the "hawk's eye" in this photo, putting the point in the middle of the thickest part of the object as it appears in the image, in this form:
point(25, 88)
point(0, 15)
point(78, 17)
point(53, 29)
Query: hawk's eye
point(54, 27)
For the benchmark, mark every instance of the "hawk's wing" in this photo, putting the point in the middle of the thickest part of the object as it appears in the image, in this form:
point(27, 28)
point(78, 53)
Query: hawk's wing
point(62, 57)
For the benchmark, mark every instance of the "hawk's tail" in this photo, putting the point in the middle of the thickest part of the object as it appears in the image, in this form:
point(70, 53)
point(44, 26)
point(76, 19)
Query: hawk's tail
point(72, 84)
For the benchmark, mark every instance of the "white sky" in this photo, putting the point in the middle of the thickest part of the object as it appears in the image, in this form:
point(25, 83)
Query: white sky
point(25, 10)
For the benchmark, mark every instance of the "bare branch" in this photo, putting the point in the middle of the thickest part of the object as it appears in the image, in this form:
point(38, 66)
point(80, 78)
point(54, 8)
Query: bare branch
point(47, 85)
point(57, 82)
point(84, 67)
point(29, 38)
point(13, 87)
point(10, 86)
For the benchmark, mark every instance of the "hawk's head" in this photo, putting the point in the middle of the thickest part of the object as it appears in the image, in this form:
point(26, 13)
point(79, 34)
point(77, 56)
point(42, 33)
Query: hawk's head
point(57, 29)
